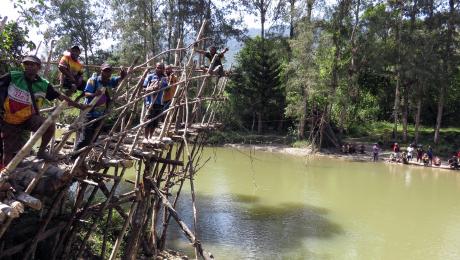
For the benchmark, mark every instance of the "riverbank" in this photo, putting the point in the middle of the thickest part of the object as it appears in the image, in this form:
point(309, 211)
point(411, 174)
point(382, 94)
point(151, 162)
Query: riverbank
point(307, 151)
point(331, 153)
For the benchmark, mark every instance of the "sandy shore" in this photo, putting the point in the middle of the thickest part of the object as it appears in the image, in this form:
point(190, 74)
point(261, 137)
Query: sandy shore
point(301, 152)
point(279, 148)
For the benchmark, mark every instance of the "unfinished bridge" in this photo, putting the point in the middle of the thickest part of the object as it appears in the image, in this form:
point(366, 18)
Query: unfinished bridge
point(53, 210)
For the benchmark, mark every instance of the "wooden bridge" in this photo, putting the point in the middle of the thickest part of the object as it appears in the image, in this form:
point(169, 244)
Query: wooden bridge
point(53, 210)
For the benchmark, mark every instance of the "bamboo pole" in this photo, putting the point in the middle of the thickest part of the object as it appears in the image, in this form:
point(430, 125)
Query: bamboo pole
point(28, 146)
point(117, 244)
point(182, 225)
point(183, 77)
point(43, 226)
point(163, 167)
point(99, 214)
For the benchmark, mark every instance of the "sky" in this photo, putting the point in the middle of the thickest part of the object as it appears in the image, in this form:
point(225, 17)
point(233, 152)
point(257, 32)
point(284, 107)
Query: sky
point(8, 10)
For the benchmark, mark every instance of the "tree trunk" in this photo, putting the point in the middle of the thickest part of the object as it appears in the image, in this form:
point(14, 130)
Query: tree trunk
point(262, 20)
point(398, 74)
point(448, 69)
point(170, 27)
point(259, 123)
point(405, 113)
point(291, 18)
point(417, 118)
point(303, 116)
point(439, 114)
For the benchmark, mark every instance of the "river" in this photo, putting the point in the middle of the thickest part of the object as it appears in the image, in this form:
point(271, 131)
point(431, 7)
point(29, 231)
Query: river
point(261, 205)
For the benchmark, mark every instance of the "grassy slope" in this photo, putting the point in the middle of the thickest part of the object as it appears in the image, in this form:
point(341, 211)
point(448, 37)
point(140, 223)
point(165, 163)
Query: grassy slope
point(382, 131)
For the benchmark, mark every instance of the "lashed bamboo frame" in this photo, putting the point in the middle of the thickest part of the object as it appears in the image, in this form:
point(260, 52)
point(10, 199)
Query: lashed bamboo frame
point(151, 191)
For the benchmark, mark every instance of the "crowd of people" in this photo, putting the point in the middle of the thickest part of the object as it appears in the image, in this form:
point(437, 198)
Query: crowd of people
point(413, 152)
point(22, 94)
point(420, 155)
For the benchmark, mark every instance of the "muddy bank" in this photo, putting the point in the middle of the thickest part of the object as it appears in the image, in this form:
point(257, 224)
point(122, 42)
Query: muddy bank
point(332, 153)
point(384, 156)
point(277, 148)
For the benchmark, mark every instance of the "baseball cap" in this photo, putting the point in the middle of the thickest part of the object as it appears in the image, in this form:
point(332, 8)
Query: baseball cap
point(75, 47)
point(105, 66)
point(32, 58)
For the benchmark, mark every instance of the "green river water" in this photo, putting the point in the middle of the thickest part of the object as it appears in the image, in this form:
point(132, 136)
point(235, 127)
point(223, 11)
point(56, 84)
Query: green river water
point(260, 205)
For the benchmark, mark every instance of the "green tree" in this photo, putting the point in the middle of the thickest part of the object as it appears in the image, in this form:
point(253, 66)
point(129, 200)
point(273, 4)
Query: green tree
point(256, 88)
point(83, 21)
point(13, 45)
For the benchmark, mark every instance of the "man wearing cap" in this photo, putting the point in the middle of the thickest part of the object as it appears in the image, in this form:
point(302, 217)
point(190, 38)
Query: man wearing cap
point(71, 69)
point(93, 89)
point(154, 82)
point(21, 95)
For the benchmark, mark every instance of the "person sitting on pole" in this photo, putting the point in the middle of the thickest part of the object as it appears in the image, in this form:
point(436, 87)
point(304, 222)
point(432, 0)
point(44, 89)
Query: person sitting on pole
point(71, 76)
point(93, 89)
point(21, 96)
point(216, 67)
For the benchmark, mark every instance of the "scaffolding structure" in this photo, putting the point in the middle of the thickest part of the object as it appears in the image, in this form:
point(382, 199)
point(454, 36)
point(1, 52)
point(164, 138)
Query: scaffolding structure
point(38, 217)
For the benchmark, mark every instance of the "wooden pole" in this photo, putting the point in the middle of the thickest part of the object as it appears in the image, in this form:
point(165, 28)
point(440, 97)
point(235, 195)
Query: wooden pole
point(182, 225)
point(28, 146)
point(117, 244)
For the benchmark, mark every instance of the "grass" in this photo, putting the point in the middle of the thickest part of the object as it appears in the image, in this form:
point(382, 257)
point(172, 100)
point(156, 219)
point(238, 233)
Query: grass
point(382, 132)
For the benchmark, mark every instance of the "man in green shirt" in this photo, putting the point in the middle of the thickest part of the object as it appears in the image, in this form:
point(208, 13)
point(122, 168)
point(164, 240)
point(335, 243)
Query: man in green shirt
point(21, 95)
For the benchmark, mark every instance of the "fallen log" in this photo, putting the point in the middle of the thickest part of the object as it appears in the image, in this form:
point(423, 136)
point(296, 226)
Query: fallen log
point(29, 200)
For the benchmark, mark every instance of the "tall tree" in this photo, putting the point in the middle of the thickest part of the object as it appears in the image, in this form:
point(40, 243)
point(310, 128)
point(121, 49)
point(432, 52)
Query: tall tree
point(13, 45)
point(263, 10)
point(83, 21)
point(257, 81)
point(448, 66)
point(302, 71)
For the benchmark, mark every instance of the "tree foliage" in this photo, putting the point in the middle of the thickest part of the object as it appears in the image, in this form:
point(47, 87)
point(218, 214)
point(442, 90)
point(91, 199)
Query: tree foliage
point(256, 90)
point(13, 45)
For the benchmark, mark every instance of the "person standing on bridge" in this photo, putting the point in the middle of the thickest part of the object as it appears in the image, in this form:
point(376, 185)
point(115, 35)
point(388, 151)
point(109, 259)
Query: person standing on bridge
point(154, 82)
point(93, 89)
point(169, 92)
point(21, 95)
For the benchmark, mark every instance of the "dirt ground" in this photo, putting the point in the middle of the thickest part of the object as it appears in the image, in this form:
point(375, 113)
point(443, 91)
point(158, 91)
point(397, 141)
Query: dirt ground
point(384, 155)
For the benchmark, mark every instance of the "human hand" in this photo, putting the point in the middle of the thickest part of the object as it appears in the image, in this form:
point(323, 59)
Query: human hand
point(123, 72)
point(98, 92)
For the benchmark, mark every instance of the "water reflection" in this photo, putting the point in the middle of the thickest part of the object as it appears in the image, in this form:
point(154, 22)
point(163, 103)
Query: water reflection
point(254, 230)
point(278, 207)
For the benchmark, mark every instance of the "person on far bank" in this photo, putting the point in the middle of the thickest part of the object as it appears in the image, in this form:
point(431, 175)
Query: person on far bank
point(216, 67)
point(410, 152)
point(375, 152)
point(420, 153)
point(156, 82)
point(71, 76)
point(396, 150)
point(21, 95)
point(93, 89)
point(429, 152)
